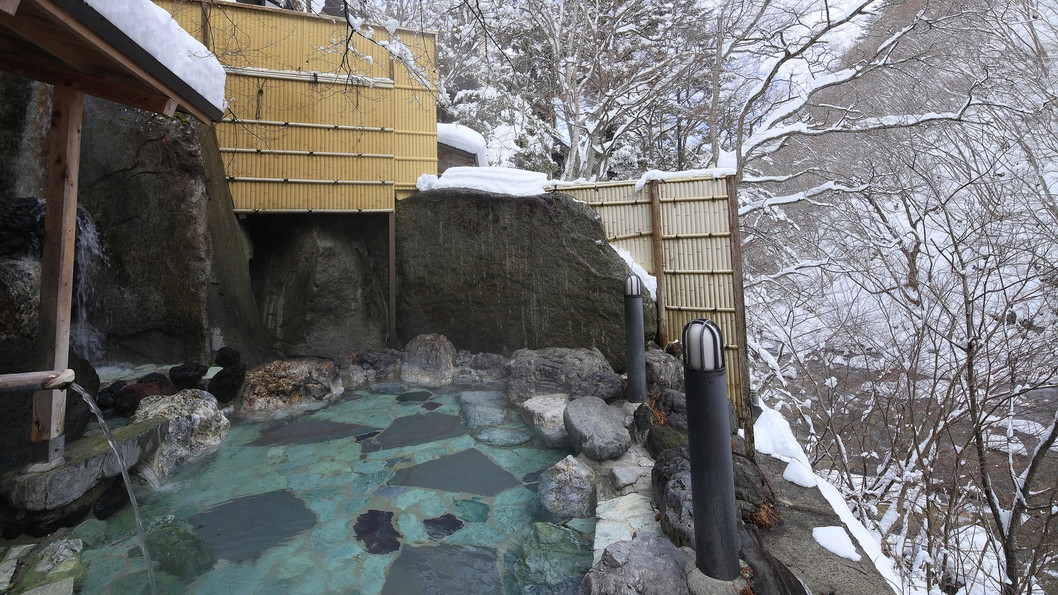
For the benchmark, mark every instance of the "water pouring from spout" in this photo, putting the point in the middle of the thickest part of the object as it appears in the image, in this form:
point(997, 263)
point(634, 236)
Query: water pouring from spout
point(125, 476)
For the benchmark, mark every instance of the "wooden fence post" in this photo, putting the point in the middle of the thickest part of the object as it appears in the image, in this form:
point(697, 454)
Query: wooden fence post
point(742, 401)
point(57, 262)
point(658, 247)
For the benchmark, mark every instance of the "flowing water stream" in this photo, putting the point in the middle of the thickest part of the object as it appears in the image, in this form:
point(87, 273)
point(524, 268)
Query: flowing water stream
point(124, 476)
point(383, 492)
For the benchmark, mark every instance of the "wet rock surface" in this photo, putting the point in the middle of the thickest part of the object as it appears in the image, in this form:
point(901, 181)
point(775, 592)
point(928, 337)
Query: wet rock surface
point(596, 429)
point(552, 559)
point(467, 471)
point(243, 528)
point(196, 427)
point(289, 383)
point(375, 530)
point(429, 360)
point(648, 565)
point(444, 569)
point(552, 370)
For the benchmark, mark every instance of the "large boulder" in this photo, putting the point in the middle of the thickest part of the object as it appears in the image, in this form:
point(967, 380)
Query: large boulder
point(320, 289)
point(544, 414)
point(177, 285)
point(596, 429)
point(552, 560)
point(196, 427)
point(670, 480)
point(300, 383)
point(567, 490)
point(649, 564)
point(496, 273)
point(429, 360)
point(552, 370)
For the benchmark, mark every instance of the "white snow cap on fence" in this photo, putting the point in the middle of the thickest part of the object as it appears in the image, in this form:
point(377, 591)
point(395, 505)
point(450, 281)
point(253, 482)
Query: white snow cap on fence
point(502, 180)
point(155, 31)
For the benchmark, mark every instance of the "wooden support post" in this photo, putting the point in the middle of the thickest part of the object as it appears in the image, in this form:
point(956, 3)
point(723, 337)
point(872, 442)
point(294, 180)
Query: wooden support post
point(743, 402)
point(56, 286)
point(392, 279)
point(658, 248)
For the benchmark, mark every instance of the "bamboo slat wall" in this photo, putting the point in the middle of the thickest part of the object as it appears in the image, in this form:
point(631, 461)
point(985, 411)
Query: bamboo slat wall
point(317, 119)
point(697, 254)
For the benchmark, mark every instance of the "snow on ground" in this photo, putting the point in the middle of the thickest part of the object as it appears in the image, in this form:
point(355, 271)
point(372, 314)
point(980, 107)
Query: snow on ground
point(836, 540)
point(464, 139)
point(773, 436)
point(156, 32)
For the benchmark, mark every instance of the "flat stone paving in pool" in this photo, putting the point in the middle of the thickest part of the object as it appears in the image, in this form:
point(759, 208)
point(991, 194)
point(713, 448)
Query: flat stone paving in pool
point(373, 494)
point(468, 471)
point(244, 528)
point(444, 570)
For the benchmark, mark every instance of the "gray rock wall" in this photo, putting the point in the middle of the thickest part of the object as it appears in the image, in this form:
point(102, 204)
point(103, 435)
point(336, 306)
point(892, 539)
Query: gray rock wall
point(320, 281)
point(177, 287)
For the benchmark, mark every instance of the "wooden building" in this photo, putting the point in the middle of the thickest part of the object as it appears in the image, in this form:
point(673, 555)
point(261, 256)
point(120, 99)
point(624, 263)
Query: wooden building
point(319, 118)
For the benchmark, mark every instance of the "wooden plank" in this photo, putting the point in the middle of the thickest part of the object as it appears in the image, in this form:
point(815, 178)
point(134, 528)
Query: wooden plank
point(57, 261)
point(35, 380)
point(9, 6)
point(112, 91)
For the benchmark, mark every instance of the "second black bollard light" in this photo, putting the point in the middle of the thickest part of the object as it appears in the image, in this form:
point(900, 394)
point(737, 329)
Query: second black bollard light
point(635, 345)
point(709, 441)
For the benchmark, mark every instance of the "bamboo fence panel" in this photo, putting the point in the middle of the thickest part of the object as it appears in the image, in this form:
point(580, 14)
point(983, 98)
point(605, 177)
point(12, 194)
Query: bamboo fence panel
point(697, 251)
point(318, 118)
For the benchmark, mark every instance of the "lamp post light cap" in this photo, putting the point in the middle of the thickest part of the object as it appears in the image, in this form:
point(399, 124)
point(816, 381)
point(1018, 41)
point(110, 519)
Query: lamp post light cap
point(633, 286)
point(703, 345)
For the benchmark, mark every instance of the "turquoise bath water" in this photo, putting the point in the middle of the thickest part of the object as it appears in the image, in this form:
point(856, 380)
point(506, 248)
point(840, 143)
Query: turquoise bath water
point(377, 493)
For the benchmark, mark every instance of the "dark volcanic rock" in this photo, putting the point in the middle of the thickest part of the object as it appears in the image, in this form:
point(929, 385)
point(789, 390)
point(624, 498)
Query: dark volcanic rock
point(227, 356)
point(374, 529)
point(496, 273)
point(320, 289)
point(128, 398)
point(671, 482)
point(178, 278)
point(596, 429)
point(552, 370)
point(187, 374)
point(442, 526)
point(673, 405)
point(21, 226)
point(227, 382)
point(608, 386)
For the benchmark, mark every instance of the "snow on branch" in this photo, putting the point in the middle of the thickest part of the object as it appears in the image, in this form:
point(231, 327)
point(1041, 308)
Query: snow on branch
point(773, 201)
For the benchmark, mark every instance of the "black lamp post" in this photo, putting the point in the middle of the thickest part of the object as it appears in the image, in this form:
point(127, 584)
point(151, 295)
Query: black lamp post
point(634, 342)
point(716, 541)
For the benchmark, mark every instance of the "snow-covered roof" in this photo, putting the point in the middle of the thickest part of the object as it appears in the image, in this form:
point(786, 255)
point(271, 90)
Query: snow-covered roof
point(155, 30)
point(128, 51)
point(503, 180)
point(465, 139)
